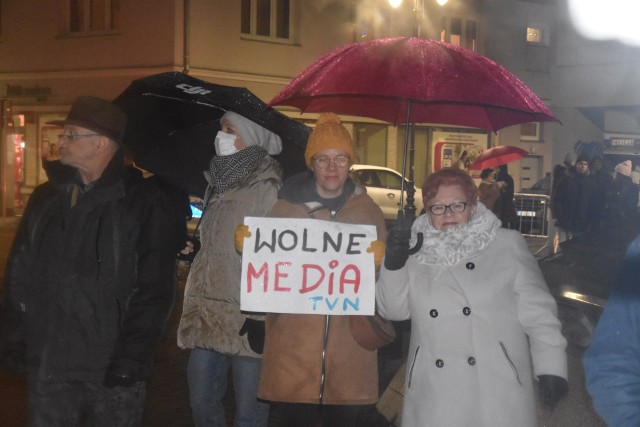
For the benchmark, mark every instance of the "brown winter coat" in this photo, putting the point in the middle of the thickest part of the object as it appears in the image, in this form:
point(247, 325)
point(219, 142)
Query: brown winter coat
point(293, 354)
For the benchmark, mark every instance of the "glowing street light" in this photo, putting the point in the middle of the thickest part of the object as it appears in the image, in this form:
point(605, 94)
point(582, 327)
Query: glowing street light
point(396, 3)
point(418, 10)
point(615, 19)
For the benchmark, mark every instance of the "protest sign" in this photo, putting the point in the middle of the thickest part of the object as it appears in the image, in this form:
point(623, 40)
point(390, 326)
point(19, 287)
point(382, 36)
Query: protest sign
point(307, 266)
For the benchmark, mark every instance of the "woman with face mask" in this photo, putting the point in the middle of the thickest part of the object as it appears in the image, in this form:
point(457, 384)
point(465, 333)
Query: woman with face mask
point(243, 181)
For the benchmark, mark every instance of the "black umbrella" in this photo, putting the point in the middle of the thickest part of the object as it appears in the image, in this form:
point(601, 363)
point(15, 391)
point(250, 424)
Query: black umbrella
point(173, 119)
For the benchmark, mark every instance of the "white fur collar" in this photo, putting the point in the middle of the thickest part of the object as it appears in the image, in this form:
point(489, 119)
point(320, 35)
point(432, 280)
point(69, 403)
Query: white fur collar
point(447, 248)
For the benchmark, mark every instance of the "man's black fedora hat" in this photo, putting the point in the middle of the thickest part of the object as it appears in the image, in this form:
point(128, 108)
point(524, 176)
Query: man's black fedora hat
point(96, 114)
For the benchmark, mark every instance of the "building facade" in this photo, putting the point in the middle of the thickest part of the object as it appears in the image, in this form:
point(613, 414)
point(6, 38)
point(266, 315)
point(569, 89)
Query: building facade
point(55, 50)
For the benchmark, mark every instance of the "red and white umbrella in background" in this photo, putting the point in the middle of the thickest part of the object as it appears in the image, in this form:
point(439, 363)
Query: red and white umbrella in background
point(496, 156)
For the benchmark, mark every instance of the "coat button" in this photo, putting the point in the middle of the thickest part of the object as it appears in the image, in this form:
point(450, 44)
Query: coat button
point(470, 266)
point(433, 313)
point(439, 363)
point(471, 360)
point(466, 311)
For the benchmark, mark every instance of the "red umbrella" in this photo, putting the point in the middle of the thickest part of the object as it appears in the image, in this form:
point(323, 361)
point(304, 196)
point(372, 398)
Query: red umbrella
point(414, 80)
point(497, 156)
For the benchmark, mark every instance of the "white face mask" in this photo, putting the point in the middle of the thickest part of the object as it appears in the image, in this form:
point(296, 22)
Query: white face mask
point(225, 144)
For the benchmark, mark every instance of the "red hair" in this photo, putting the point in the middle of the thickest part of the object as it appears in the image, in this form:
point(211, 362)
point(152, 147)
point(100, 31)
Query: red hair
point(449, 176)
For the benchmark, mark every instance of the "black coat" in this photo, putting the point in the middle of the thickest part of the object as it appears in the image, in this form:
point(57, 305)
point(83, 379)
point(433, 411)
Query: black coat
point(572, 203)
point(93, 284)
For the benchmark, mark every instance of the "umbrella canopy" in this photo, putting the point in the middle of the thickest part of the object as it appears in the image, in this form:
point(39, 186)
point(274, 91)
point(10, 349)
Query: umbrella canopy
point(496, 156)
point(173, 120)
point(445, 84)
point(414, 80)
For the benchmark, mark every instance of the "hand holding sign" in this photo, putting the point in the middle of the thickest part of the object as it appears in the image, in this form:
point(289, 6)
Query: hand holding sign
point(377, 247)
point(242, 231)
point(309, 266)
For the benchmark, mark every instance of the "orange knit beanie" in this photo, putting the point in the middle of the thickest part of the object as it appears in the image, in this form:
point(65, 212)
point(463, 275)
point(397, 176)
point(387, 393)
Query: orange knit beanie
point(329, 133)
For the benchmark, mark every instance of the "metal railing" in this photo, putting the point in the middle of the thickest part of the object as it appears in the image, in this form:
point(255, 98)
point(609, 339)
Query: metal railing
point(533, 214)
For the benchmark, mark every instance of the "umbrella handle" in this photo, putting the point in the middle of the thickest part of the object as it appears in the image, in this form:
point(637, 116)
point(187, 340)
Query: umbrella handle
point(416, 248)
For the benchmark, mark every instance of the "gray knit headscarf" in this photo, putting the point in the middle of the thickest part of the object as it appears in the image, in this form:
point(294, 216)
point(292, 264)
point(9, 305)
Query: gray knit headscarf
point(254, 134)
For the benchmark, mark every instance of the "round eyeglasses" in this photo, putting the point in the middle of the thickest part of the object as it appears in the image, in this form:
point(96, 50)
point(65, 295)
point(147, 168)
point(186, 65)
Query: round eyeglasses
point(323, 162)
point(455, 208)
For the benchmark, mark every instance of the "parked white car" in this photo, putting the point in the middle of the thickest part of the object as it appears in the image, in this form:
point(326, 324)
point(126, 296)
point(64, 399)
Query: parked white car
point(383, 185)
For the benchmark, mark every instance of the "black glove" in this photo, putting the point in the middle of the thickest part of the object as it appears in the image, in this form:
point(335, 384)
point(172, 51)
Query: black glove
point(120, 375)
point(397, 248)
point(551, 389)
point(255, 330)
point(191, 255)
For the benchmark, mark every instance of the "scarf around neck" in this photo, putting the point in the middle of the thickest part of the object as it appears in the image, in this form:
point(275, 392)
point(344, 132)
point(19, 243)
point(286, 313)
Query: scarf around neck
point(227, 171)
point(301, 188)
point(447, 248)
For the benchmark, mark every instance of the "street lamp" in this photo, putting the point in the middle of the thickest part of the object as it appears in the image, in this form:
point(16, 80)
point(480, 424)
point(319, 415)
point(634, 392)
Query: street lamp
point(418, 11)
point(395, 3)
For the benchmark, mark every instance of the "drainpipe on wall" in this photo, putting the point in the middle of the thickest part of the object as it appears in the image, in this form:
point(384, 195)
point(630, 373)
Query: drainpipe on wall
point(185, 37)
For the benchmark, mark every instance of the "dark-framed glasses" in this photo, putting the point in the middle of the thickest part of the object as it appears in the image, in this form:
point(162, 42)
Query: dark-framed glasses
point(323, 162)
point(457, 207)
point(65, 137)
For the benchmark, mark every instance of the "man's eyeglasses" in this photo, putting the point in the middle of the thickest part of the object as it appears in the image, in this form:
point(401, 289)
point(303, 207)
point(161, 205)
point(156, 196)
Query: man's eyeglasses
point(455, 208)
point(323, 162)
point(65, 137)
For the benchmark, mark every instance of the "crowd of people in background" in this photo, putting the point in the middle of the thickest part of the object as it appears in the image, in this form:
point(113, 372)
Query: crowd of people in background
point(585, 195)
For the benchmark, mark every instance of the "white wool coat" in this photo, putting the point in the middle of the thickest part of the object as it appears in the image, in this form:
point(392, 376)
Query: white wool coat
point(481, 328)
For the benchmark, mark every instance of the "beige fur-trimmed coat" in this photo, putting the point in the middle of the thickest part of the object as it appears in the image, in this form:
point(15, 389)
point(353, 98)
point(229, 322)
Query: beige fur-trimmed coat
point(211, 317)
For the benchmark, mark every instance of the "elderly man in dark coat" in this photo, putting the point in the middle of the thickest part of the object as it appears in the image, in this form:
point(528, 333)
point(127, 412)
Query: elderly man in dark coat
point(90, 278)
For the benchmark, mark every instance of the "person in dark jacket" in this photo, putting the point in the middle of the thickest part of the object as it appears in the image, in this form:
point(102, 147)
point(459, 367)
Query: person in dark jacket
point(90, 277)
point(571, 202)
point(603, 183)
point(507, 212)
point(611, 363)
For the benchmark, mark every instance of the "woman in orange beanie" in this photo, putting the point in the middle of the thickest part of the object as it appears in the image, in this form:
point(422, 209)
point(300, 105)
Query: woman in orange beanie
point(311, 365)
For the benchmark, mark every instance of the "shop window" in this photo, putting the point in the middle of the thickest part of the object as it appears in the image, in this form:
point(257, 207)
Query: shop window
point(460, 32)
point(270, 20)
point(90, 16)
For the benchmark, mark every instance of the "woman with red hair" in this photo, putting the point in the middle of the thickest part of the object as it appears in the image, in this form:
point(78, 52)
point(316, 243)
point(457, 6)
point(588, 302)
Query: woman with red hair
point(483, 323)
